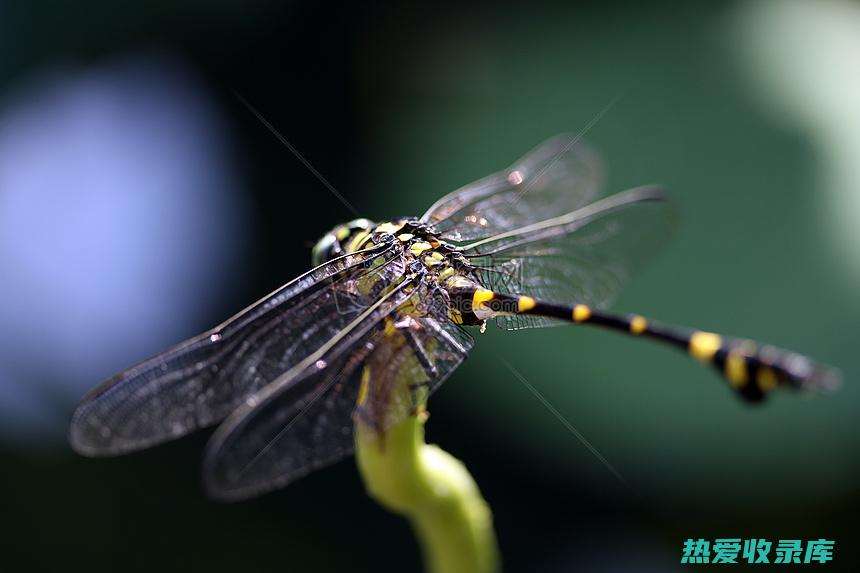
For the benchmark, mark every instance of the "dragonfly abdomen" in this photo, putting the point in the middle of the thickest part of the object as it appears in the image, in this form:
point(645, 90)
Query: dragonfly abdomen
point(751, 369)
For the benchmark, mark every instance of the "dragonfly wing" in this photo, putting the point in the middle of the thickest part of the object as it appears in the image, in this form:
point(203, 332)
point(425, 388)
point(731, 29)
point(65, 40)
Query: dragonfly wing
point(584, 257)
point(304, 420)
point(557, 177)
point(285, 431)
point(199, 382)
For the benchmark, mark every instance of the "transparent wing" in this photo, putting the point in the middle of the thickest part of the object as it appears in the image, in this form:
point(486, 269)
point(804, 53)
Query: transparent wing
point(304, 421)
point(557, 177)
point(285, 432)
point(199, 382)
point(584, 257)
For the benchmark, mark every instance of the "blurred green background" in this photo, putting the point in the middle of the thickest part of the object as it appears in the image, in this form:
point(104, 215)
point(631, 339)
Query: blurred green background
point(744, 110)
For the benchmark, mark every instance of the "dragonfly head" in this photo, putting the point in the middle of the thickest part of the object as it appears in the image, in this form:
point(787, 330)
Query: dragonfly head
point(336, 242)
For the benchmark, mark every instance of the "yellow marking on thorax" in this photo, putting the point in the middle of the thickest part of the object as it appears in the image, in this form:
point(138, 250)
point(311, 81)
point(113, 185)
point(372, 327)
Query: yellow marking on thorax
point(420, 247)
point(431, 261)
point(736, 369)
point(766, 378)
point(525, 303)
point(581, 313)
point(390, 228)
point(357, 241)
point(638, 325)
point(403, 237)
point(446, 273)
point(703, 345)
point(437, 255)
point(481, 296)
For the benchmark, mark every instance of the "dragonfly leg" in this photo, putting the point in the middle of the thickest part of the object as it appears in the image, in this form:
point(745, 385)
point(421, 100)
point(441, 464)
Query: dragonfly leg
point(406, 326)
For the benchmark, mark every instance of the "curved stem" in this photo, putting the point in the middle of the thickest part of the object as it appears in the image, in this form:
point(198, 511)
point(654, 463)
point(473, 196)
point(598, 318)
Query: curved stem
point(434, 490)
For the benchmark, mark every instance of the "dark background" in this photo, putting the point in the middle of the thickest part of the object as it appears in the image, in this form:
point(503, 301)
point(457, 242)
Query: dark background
point(141, 203)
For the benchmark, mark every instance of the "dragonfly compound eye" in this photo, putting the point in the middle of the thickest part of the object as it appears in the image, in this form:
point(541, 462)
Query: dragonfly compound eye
point(326, 249)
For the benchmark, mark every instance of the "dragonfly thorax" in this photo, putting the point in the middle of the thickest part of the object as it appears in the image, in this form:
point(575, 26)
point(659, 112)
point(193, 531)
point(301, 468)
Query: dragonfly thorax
point(422, 251)
point(439, 262)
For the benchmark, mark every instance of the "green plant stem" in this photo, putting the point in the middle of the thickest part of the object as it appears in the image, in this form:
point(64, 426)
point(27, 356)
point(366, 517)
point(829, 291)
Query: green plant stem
point(434, 491)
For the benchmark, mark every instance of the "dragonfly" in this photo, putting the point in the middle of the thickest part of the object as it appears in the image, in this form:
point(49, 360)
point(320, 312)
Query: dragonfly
point(381, 321)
